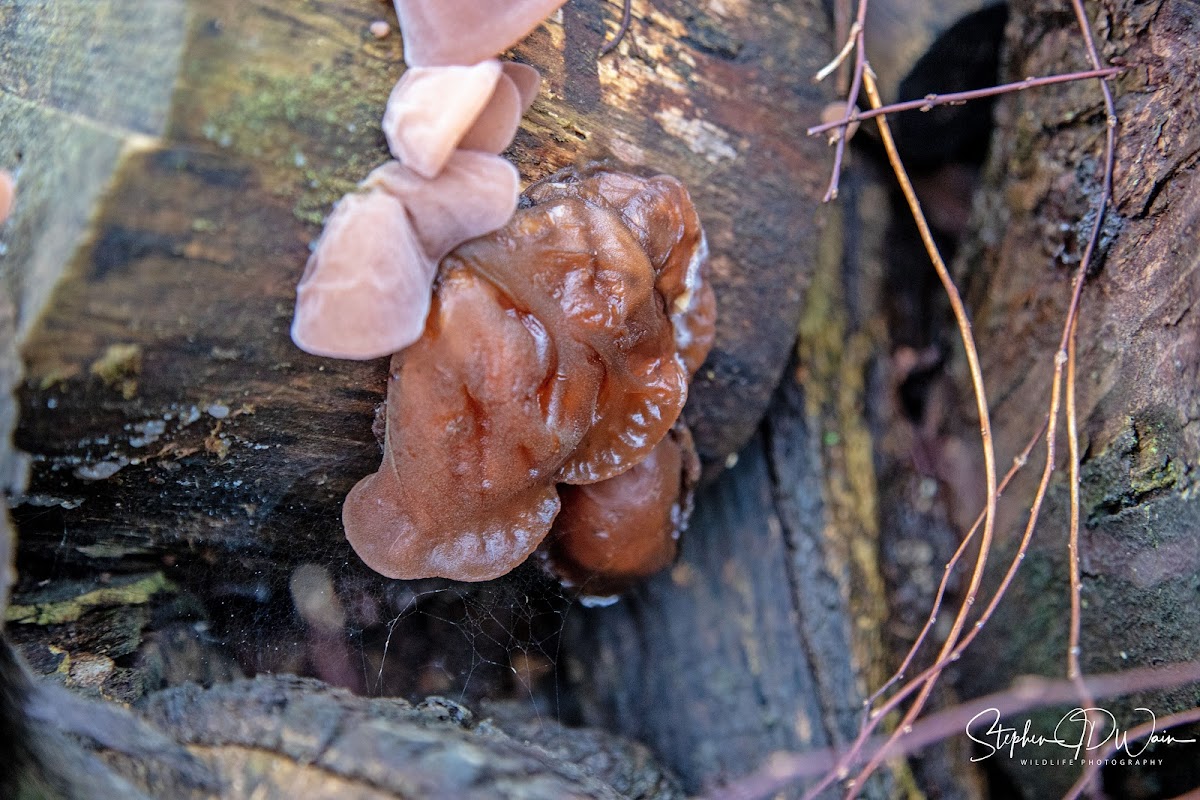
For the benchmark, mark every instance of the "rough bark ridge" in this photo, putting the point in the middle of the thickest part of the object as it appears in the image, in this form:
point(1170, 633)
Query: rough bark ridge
point(1139, 343)
point(286, 737)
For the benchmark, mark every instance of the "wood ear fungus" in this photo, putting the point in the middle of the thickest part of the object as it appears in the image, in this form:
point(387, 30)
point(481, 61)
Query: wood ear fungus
point(433, 111)
point(612, 533)
point(549, 357)
point(366, 289)
point(549, 366)
point(365, 292)
point(445, 32)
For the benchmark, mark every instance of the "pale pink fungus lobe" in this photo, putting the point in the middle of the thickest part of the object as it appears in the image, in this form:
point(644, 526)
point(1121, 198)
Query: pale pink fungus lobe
point(496, 125)
point(440, 33)
point(432, 111)
point(365, 292)
point(380, 29)
point(8, 191)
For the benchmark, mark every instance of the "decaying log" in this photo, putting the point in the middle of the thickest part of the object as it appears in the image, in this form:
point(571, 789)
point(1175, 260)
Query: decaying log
point(286, 737)
point(164, 404)
point(174, 427)
point(283, 737)
point(1138, 352)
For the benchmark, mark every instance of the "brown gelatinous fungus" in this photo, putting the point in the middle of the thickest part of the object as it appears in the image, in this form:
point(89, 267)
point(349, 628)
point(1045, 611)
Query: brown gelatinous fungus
point(466, 488)
point(612, 533)
point(659, 211)
point(583, 273)
point(550, 356)
point(366, 289)
point(447, 32)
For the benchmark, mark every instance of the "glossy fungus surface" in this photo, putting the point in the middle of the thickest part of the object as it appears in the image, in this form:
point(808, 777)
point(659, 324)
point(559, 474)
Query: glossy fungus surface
point(610, 534)
point(549, 357)
point(430, 109)
point(433, 111)
point(658, 210)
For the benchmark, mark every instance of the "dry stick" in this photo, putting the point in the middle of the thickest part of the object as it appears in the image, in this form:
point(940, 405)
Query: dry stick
point(1065, 353)
point(1074, 671)
point(860, 66)
point(989, 455)
point(927, 679)
point(928, 102)
point(1092, 769)
point(1026, 693)
point(931, 673)
point(929, 676)
point(1018, 463)
point(827, 70)
point(931, 101)
point(626, 17)
point(842, 11)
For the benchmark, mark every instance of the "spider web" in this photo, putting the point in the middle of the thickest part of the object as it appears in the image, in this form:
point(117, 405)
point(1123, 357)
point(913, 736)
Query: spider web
point(334, 619)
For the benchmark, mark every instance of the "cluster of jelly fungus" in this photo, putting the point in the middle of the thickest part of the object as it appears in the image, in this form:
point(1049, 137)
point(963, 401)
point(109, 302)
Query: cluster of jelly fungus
point(556, 354)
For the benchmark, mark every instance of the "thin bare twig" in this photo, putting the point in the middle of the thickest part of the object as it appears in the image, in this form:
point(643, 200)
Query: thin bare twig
point(1073, 670)
point(847, 48)
point(1066, 354)
point(626, 17)
point(1074, 651)
point(989, 456)
point(860, 66)
point(953, 647)
point(931, 101)
point(952, 650)
point(1092, 769)
point(1025, 694)
point(1018, 463)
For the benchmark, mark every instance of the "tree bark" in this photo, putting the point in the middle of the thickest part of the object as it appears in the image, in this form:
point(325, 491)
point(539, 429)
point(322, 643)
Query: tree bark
point(164, 404)
point(174, 427)
point(1138, 350)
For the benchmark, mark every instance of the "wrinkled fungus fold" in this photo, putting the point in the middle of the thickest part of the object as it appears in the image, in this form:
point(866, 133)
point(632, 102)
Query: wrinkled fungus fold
point(541, 360)
point(550, 356)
